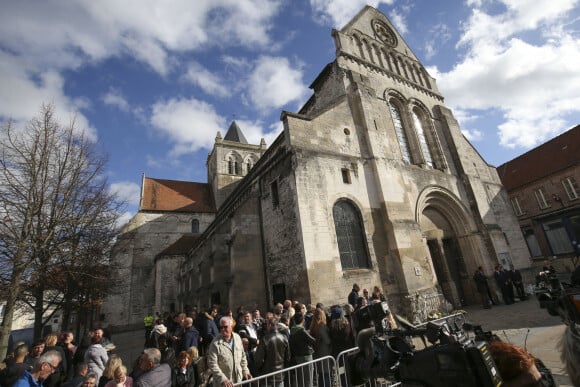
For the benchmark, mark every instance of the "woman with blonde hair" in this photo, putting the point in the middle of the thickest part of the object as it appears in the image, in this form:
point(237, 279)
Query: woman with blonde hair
point(109, 372)
point(120, 378)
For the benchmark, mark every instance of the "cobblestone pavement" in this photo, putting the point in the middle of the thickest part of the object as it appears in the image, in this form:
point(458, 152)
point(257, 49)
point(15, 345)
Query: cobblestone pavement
point(522, 323)
point(526, 325)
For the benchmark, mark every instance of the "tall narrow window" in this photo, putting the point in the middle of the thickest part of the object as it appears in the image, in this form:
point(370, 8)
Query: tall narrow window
point(400, 131)
point(248, 166)
point(231, 165)
point(571, 188)
point(345, 175)
point(423, 141)
point(350, 236)
point(541, 198)
point(532, 243)
point(516, 206)
point(195, 226)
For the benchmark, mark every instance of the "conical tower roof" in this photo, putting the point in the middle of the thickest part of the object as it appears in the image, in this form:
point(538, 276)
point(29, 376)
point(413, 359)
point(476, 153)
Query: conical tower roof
point(235, 134)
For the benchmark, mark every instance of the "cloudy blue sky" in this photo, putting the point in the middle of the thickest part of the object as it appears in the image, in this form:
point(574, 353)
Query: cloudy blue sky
point(152, 81)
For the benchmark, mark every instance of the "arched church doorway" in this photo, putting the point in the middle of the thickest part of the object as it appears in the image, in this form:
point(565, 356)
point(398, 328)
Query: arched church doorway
point(446, 228)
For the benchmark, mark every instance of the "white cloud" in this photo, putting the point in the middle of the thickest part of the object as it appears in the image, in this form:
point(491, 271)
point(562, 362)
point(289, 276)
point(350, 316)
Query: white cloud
point(521, 62)
point(339, 12)
point(42, 40)
point(189, 123)
point(114, 98)
point(275, 83)
point(398, 19)
point(472, 135)
point(206, 80)
point(439, 34)
point(127, 192)
point(22, 97)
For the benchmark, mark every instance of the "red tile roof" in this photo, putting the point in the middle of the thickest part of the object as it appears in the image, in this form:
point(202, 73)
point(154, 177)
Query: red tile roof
point(178, 196)
point(557, 154)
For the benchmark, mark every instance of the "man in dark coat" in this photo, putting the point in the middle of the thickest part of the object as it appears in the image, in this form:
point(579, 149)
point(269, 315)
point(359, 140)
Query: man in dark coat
point(273, 352)
point(189, 337)
point(482, 287)
point(504, 282)
point(353, 296)
point(516, 278)
point(208, 329)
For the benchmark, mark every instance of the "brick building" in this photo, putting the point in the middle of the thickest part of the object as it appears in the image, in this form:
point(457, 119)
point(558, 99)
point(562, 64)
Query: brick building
point(543, 188)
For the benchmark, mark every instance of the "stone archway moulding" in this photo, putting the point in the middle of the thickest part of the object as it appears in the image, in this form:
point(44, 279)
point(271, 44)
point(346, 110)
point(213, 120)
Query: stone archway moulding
point(449, 205)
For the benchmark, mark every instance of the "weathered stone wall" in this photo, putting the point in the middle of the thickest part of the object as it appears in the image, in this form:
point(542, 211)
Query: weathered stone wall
point(133, 290)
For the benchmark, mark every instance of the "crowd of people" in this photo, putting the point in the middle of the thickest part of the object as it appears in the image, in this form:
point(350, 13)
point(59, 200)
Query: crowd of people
point(212, 348)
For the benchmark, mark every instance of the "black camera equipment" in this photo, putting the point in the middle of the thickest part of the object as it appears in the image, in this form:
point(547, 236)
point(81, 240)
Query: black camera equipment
point(449, 357)
point(559, 298)
point(548, 288)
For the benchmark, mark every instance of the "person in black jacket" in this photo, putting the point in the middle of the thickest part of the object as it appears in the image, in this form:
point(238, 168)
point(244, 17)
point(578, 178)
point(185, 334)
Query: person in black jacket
point(183, 374)
point(301, 348)
point(482, 287)
point(207, 329)
point(273, 352)
point(15, 368)
point(189, 337)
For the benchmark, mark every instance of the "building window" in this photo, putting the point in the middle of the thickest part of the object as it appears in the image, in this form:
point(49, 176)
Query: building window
point(532, 243)
point(195, 226)
point(233, 166)
point(541, 198)
point(274, 192)
point(423, 141)
point(516, 206)
point(350, 236)
point(571, 187)
point(557, 237)
point(248, 166)
point(345, 175)
point(400, 132)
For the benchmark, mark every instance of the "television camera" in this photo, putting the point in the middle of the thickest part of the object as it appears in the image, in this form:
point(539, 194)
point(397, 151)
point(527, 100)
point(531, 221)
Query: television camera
point(449, 357)
point(558, 298)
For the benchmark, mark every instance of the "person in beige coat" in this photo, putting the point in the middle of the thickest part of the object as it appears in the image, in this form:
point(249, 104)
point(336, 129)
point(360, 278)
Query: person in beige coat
point(226, 357)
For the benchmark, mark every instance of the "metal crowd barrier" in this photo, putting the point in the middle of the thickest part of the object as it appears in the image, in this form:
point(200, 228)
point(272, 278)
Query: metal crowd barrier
point(316, 373)
point(323, 372)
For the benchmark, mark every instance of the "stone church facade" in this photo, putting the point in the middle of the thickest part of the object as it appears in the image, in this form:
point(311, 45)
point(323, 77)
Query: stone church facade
point(371, 182)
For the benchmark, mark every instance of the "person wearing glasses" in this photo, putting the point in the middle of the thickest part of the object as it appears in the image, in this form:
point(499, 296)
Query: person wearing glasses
point(226, 357)
point(46, 366)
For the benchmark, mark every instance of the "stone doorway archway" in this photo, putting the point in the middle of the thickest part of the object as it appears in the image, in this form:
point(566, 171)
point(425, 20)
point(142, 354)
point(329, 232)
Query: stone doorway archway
point(448, 232)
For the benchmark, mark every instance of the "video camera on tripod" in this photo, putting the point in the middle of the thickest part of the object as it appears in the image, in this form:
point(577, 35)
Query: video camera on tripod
point(449, 357)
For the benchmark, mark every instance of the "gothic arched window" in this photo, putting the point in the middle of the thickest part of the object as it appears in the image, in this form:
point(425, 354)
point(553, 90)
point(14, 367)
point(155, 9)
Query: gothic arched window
point(248, 166)
point(233, 166)
point(350, 236)
point(422, 140)
point(400, 131)
point(195, 226)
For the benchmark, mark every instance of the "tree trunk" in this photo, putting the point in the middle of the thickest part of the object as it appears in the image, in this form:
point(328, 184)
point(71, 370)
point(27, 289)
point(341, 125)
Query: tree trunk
point(38, 311)
point(13, 293)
